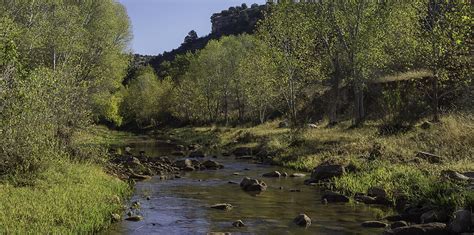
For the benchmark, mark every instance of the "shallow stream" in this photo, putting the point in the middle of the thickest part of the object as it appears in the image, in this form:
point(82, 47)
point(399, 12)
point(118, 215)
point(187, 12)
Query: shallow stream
point(181, 205)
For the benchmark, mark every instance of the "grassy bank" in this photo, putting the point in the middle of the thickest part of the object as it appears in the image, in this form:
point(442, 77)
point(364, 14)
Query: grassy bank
point(389, 161)
point(66, 198)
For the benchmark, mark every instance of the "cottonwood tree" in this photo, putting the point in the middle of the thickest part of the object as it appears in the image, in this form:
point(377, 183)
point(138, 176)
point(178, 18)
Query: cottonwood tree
point(445, 47)
point(286, 30)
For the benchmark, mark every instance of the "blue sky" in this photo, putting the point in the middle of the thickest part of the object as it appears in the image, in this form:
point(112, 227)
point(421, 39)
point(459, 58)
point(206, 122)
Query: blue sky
point(161, 25)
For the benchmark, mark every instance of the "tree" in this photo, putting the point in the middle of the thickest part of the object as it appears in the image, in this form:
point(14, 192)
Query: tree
point(286, 30)
point(191, 37)
point(446, 42)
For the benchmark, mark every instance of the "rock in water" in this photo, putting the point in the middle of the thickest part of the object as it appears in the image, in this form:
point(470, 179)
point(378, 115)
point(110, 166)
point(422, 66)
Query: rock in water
point(374, 224)
point(334, 197)
point(274, 174)
point(238, 224)
point(461, 222)
point(209, 164)
point(252, 185)
point(134, 218)
point(398, 224)
point(222, 206)
point(419, 229)
point(302, 220)
point(116, 217)
point(324, 172)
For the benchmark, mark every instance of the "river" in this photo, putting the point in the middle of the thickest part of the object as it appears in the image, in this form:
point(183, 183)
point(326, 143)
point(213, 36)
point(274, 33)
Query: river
point(181, 205)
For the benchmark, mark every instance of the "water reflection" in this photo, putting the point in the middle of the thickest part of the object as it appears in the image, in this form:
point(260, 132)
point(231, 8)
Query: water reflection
point(181, 206)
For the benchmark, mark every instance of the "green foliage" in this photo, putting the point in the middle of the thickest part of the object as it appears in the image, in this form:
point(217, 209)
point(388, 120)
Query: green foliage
point(146, 99)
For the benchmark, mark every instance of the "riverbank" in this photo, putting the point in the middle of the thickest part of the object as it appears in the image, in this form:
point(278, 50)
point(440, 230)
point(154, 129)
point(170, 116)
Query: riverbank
point(417, 163)
point(66, 196)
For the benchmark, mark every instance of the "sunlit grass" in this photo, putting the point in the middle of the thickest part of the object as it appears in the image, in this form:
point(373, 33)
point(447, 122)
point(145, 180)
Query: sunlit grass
point(66, 198)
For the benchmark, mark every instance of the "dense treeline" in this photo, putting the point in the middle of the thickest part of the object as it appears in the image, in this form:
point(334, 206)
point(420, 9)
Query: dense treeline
point(60, 64)
point(326, 56)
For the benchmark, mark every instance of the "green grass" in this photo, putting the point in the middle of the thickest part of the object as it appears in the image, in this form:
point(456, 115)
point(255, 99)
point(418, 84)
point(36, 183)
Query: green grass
point(66, 198)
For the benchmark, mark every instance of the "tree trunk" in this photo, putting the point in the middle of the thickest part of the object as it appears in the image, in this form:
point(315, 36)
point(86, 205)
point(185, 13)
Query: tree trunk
point(435, 97)
point(334, 99)
point(359, 112)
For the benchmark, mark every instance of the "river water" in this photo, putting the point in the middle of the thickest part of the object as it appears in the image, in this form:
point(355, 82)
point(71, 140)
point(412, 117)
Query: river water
point(181, 205)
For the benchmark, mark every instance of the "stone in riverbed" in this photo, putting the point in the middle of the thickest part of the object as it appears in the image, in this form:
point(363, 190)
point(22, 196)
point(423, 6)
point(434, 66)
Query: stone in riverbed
point(324, 172)
point(238, 224)
point(222, 206)
point(461, 222)
point(302, 220)
point(134, 218)
point(398, 224)
point(116, 217)
point(334, 197)
point(252, 185)
point(274, 174)
point(210, 164)
point(419, 229)
point(364, 199)
point(183, 164)
point(374, 224)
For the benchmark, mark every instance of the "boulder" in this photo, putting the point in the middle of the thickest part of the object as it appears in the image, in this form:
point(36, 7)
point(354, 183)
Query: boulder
point(302, 220)
point(453, 175)
point(252, 185)
point(431, 158)
point(461, 222)
point(419, 229)
point(365, 199)
point(183, 163)
point(398, 224)
point(238, 224)
point(116, 217)
point(333, 197)
point(222, 206)
point(210, 164)
point(274, 174)
point(134, 218)
point(433, 216)
point(374, 224)
point(298, 175)
point(324, 172)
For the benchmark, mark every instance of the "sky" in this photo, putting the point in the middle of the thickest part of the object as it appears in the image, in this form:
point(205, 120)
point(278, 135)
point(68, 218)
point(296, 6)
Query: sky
point(161, 25)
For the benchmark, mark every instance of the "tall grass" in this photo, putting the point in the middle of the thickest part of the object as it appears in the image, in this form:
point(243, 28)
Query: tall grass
point(66, 198)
